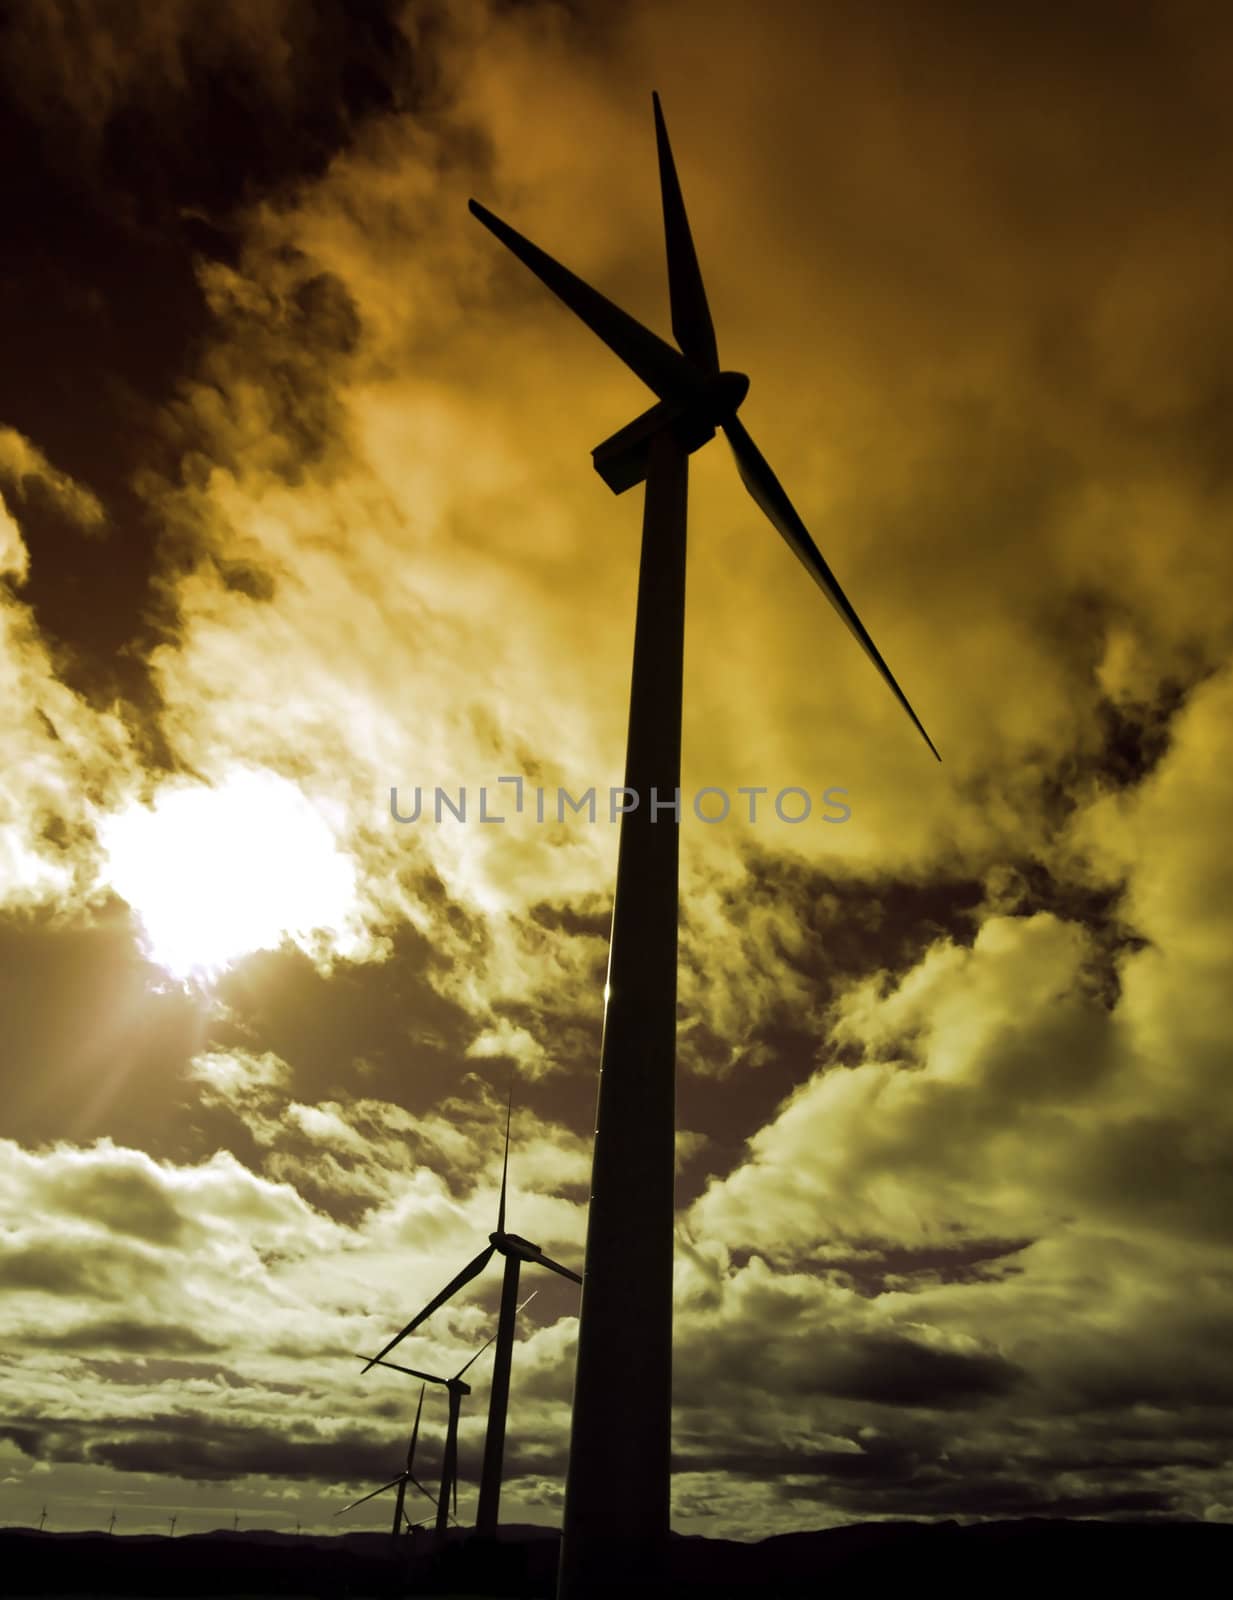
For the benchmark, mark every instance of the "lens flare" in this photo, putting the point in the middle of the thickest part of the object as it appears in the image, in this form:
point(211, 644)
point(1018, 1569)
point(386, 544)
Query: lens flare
point(215, 873)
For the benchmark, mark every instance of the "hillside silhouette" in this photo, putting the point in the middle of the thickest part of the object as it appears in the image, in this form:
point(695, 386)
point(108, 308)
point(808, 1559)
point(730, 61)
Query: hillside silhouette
point(979, 1557)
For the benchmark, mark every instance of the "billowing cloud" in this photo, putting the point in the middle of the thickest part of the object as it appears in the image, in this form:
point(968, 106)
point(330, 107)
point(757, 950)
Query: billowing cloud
point(22, 462)
point(953, 1149)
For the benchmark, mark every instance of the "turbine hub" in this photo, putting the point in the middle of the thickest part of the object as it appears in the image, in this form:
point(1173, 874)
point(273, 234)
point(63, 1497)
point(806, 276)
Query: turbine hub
point(726, 392)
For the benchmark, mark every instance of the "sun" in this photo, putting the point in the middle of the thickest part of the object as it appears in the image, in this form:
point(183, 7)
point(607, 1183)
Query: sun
point(216, 872)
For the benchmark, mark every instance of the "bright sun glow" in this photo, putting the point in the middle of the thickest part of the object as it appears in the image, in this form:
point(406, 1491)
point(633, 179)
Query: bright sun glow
point(216, 873)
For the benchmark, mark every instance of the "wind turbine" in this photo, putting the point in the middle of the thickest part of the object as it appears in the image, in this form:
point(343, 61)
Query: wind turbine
point(456, 1389)
point(401, 1481)
point(516, 1250)
point(111, 1525)
point(617, 1487)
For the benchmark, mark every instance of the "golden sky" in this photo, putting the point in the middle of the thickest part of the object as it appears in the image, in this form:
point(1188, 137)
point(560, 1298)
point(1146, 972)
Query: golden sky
point(297, 507)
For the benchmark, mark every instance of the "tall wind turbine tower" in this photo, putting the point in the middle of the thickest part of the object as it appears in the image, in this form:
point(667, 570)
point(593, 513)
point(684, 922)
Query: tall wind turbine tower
point(617, 1489)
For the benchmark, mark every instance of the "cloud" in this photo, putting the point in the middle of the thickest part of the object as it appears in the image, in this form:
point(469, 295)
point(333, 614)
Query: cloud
point(23, 463)
point(956, 1236)
point(415, 621)
point(58, 754)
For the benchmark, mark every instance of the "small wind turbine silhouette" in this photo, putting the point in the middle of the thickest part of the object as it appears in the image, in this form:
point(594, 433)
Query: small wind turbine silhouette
point(171, 1522)
point(617, 1488)
point(406, 1476)
point(235, 1523)
point(42, 1519)
point(111, 1525)
point(516, 1250)
point(456, 1389)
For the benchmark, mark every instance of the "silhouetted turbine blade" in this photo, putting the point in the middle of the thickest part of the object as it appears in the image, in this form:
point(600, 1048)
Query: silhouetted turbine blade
point(475, 1357)
point(691, 316)
point(392, 1484)
point(664, 370)
point(509, 1112)
point(415, 1432)
point(471, 1270)
point(555, 1266)
point(486, 1342)
point(413, 1372)
point(768, 492)
point(413, 1479)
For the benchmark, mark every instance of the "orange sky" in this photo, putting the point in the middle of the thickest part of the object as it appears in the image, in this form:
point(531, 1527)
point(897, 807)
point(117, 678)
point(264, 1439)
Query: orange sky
point(298, 506)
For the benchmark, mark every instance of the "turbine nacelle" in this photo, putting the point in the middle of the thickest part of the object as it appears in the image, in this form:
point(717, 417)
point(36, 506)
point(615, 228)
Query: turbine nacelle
point(710, 402)
point(725, 392)
point(515, 1244)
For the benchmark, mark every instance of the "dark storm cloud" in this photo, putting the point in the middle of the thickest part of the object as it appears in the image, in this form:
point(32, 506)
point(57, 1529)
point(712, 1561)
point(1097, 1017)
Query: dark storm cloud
point(107, 1271)
point(133, 137)
point(900, 1372)
point(209, 1448)
point(937, 1476)
point(147, 1370)
point(876, 1269)
point(997, 1497)
point(380, 1029)
point(882, 1461)
point(839, 928)
point(127, 1202)
point(92, 1045)
point(883, 1368)
point(129, 1335)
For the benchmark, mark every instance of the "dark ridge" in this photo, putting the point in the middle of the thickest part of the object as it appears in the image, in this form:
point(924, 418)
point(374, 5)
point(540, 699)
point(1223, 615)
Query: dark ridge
point(1131, 1557)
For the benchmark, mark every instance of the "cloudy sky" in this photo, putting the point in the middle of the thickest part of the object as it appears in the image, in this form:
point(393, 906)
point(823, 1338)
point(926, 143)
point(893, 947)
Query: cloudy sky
point(298, 507)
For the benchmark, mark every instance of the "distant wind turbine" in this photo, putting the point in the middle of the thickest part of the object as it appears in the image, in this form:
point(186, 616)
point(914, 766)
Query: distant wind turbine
point(516, 1250)
point(456, 1389)
point(111, 1525)
point(406, 1476)
point(42, 1519)
point(171, 1523)
point(617, 1489)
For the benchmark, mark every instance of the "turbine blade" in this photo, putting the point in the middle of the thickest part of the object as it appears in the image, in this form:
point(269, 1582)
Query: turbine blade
point(415, 1430)
point(509, 1112)
point(392, 1484)
point(471, 1270)
point(555, 1266)
point(475, 1357)
point(691, 316)
point(422, 1489)
point(768, 492)
point(664, 370)
point(487, 1342)
point(414, 1372)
